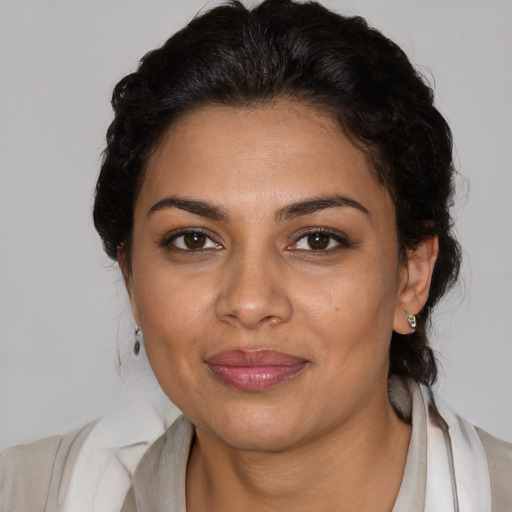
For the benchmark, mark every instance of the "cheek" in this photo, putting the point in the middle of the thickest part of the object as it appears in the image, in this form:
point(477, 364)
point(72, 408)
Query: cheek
point(173, 312)
point(352, 314)
point(175, 325)
point(351, 298)
point(164, 296)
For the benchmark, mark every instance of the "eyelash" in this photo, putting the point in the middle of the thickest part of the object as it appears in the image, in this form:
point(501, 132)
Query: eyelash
point(168, 239)
point(341, 240)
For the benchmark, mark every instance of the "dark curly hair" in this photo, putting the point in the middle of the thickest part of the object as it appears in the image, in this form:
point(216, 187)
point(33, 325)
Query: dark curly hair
point(236, 56)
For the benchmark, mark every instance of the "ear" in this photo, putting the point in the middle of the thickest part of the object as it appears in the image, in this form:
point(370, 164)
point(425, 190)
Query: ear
point(416, 276)
point(122, 260)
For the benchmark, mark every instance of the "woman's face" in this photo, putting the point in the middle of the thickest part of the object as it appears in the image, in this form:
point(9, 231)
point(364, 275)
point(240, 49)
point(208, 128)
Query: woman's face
point(266, 276)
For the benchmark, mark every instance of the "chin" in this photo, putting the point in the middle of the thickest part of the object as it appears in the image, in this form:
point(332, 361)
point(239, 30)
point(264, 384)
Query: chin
point(246, 428)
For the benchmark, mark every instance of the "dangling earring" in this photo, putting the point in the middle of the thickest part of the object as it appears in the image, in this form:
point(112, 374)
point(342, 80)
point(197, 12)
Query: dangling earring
point(411, 319)
point(138, 341)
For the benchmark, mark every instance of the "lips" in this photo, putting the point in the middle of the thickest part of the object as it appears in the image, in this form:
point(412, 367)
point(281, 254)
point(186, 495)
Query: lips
point(254, 370)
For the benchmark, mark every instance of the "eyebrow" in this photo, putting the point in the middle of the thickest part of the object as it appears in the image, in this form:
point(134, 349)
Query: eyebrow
point(291, 211)
point(316, 204)
point(201, 208)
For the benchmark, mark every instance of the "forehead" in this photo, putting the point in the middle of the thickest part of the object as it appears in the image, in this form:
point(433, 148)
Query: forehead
point(250, 157)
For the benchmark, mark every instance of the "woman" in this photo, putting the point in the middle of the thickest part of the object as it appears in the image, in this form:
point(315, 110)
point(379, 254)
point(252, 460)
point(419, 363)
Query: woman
point(276, 189)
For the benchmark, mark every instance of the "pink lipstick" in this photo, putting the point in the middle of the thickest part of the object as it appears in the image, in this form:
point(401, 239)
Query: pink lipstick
point(254, 370)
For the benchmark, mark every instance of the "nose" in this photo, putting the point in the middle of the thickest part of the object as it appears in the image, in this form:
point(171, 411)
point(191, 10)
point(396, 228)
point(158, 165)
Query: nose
point(253, 294)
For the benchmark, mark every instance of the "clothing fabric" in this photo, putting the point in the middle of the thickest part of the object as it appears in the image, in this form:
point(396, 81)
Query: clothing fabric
point(105, 467)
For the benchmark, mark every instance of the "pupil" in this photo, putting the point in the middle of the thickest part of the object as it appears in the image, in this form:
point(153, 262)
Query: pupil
point(194, 240)
point(318, 241)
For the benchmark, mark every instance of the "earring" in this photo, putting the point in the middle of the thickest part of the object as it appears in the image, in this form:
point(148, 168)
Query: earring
point(138, 341)
point(411, 319)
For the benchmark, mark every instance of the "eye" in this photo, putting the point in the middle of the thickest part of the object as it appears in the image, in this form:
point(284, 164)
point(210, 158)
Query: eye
point(320, 241)
point(193, 240)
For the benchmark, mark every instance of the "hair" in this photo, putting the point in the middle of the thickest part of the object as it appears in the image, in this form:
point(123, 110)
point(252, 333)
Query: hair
point(235, 56)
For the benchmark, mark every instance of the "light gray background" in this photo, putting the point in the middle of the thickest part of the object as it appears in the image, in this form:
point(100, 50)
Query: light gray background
point(62, 303)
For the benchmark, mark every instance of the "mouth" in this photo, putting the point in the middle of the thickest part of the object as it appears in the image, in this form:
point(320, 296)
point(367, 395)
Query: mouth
point(254, 370)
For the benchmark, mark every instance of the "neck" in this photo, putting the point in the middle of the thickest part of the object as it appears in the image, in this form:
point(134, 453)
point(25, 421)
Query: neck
point(356, 467)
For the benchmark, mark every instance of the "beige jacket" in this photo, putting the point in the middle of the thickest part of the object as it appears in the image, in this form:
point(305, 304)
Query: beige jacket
point(36, 477)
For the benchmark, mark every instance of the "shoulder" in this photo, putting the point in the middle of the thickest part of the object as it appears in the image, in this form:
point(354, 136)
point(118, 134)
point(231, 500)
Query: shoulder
point(26, 473)
point(499, 456)
point(31, 474)
point(86, 470)
point(159, 480)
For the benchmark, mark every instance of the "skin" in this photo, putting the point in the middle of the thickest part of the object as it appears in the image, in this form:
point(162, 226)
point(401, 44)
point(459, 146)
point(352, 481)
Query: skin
point(255, 281)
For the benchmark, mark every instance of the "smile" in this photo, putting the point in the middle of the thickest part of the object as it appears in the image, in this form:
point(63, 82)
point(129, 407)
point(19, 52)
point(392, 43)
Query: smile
point(254, 370)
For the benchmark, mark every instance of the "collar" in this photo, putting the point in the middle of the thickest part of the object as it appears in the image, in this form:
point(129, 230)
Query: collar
point(446, 467)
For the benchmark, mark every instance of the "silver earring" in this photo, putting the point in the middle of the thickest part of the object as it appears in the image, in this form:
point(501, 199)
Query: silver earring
point(411, 319)
point(138, 341)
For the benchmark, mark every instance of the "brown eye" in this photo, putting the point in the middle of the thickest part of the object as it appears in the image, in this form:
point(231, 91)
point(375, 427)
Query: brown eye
point(194, 240)
point(318, 241)
point(191, 241)
point(321, 241)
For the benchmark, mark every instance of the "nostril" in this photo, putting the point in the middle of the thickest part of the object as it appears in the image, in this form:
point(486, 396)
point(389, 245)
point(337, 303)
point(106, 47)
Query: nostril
point(251, 296)
point(253, 314)
point(270, 320)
